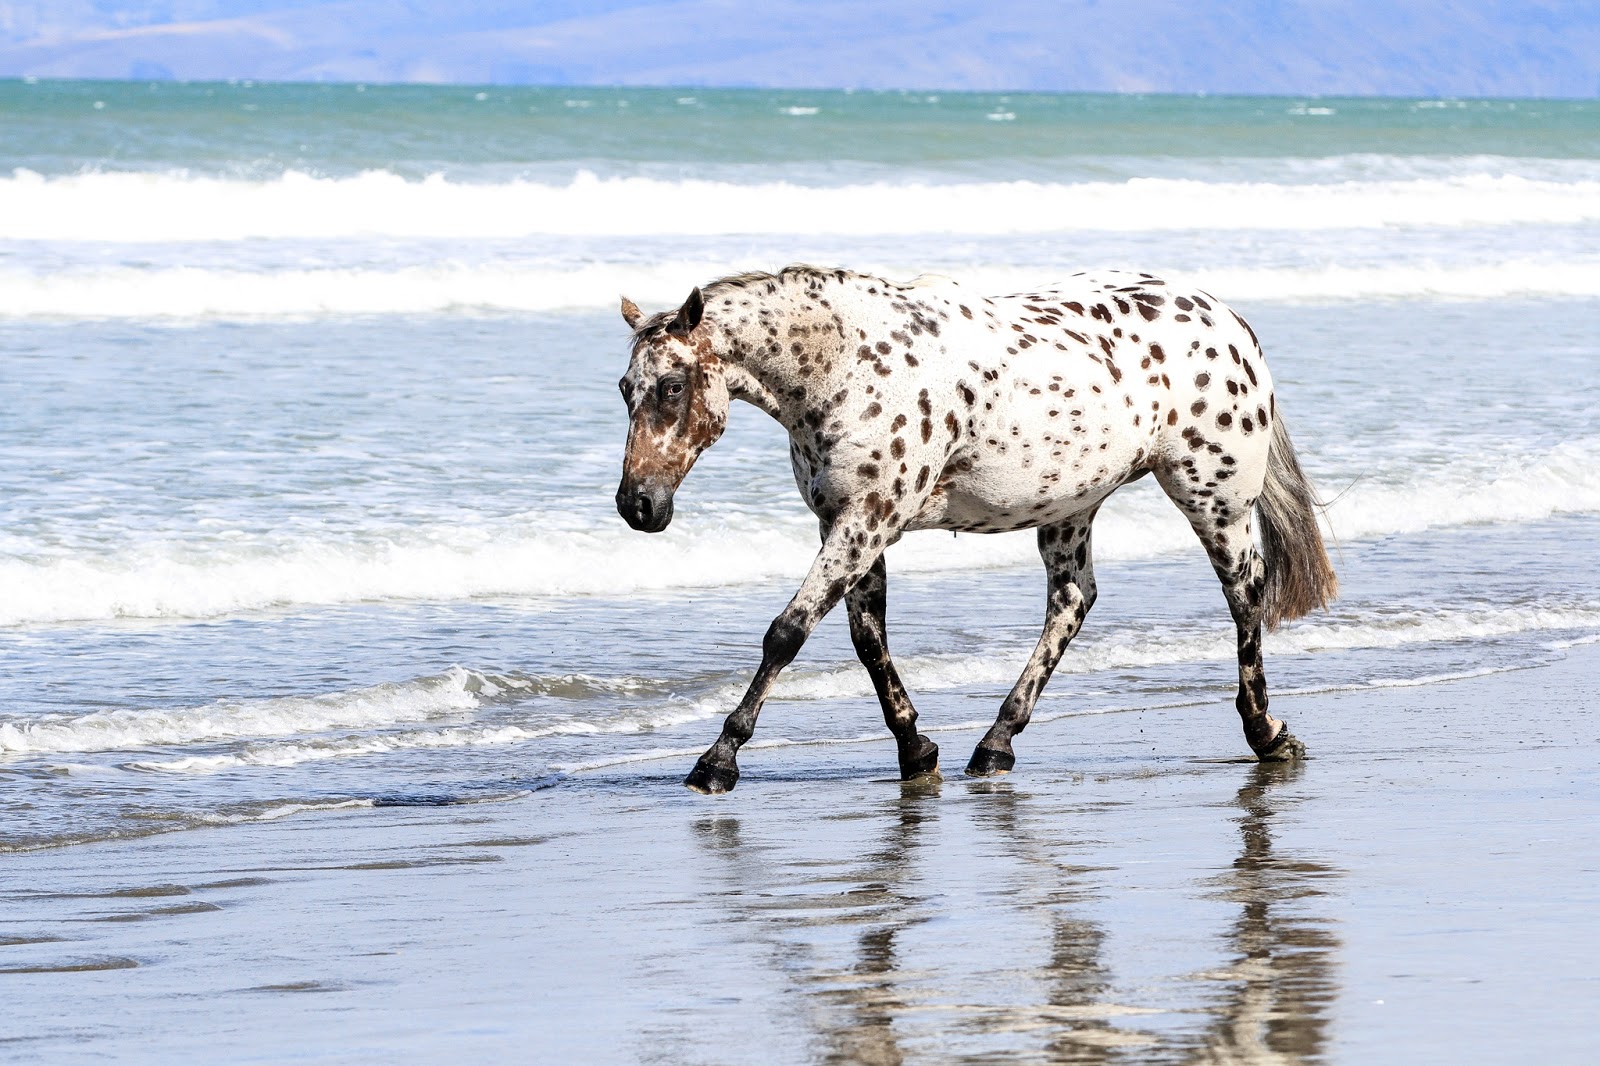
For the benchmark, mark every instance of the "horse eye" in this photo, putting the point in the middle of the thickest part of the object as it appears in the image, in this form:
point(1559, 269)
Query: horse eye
point(671, 389)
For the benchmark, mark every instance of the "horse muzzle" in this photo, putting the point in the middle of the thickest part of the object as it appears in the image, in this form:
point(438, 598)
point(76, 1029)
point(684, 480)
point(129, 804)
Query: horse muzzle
point(647, 508)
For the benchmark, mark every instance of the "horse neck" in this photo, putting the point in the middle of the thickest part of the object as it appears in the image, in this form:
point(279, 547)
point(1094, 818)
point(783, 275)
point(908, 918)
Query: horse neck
point(781, 353)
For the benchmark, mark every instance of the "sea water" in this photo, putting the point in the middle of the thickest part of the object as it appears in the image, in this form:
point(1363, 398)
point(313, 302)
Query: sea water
point(309, 427)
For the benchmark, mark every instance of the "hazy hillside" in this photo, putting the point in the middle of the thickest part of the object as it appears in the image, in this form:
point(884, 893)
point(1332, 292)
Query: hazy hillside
point(1425, 47)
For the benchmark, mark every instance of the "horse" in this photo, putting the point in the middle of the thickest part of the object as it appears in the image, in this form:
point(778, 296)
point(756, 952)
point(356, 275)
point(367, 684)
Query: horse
point(918, 405)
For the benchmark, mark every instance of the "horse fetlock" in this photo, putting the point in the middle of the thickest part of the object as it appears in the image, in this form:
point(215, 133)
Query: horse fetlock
point(1284, 747)
point(712, 779)
point(921, 760)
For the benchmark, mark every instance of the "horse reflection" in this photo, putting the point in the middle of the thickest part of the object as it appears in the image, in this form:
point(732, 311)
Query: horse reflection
point(1076, 979)
point(841, 929)
point(1282, 982)
point(858, 1003)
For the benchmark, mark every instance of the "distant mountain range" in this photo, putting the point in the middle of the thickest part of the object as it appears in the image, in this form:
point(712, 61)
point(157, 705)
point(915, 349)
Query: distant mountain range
point(1336, 47)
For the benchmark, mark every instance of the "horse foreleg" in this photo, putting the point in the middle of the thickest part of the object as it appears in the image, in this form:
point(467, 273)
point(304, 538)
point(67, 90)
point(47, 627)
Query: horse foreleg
point(847, 554)
point(867, 603)
point(1065, 549)
point(1243, 577)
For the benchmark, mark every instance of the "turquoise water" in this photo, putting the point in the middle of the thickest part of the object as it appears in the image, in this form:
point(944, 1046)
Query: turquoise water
point(311, 427)
point(332, 130)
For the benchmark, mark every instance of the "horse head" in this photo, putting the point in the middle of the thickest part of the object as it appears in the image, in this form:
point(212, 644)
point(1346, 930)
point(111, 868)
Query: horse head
point(677, 401)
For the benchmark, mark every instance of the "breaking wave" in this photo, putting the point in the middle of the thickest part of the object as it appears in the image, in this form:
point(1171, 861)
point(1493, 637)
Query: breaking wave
point(162, 207)
point(210, 293)
point(284, 732)
point(199, 579)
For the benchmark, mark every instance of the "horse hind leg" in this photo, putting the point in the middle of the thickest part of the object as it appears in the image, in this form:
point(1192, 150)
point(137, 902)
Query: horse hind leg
point(1070, 569)
point(867, 605)
point(1225, 531)
point(1243, 576)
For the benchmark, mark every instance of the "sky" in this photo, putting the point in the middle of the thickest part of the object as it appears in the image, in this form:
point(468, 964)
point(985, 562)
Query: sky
point(1517, 48)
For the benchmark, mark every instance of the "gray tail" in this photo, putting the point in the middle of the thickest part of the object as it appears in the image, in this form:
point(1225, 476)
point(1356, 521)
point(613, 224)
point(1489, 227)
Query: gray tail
point(1299, 576)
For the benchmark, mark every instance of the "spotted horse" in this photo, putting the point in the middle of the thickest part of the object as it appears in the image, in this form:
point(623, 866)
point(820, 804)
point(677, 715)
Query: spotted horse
point(924, 406)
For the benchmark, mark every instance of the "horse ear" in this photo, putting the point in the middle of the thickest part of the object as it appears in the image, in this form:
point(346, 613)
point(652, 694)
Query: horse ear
point(631, 313)
point(689, 315)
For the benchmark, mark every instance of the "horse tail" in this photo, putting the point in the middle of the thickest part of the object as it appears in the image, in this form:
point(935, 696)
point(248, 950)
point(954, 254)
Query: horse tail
point(1299, 576)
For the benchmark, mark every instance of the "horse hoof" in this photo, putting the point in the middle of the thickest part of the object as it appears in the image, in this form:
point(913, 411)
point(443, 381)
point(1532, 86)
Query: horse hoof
point(1285, 747)
point(708, 779)
point(924, 763)
point(987, 762)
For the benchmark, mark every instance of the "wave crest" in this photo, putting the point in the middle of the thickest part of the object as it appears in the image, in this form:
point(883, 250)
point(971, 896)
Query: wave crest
point(162, 207)
point(200, 293)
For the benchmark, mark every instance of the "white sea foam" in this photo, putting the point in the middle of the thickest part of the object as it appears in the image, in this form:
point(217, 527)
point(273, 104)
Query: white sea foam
point(931, 673)
point(209, 293)
point(207, 579)
point(1092, 654)
point(161, 207)
point(192, 579)
point(321, 725)
point(129, 729)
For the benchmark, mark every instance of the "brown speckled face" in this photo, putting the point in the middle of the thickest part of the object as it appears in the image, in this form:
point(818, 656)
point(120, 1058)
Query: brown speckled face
point(677, 408)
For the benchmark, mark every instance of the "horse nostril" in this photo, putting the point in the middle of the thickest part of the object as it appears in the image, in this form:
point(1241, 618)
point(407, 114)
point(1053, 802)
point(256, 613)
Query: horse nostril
point(644, 509)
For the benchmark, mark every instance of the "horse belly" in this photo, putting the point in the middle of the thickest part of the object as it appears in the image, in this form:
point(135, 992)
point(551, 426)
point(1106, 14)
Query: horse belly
point(988, 494)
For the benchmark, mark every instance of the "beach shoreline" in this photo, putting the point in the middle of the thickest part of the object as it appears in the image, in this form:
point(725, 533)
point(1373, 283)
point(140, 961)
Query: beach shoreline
point(1422, 889)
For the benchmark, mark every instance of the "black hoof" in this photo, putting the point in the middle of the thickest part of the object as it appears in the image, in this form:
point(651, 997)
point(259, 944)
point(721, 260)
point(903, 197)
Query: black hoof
point(923, 763)
point(986, 762)
point(709, 779)
point(1284, 747)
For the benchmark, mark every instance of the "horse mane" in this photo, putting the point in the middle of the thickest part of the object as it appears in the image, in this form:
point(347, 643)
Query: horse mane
point(749, 279)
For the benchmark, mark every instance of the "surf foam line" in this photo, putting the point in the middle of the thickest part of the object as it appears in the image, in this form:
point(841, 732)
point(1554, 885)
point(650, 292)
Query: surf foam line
point(150, 823)
point(196, 294)
point(924, 674)
point(195, 579)
point(1039, 718)
point(164, 207)
point(456, 692)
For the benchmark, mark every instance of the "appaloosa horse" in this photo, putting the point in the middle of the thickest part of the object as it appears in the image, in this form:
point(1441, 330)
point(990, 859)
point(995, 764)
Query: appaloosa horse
point(923, 406)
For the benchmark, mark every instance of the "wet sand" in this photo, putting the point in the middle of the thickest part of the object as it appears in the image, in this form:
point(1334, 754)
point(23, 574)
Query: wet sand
point(1425, 889)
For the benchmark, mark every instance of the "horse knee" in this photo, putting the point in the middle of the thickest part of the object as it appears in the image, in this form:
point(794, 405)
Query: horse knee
point(784, 638)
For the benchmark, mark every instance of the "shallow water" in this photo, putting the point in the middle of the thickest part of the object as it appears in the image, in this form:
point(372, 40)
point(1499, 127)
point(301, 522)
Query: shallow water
point(255, 569)
point(1421, 891)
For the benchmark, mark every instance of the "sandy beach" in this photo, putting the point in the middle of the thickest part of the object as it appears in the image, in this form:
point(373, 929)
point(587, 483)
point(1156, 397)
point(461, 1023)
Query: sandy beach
point(1424, 889)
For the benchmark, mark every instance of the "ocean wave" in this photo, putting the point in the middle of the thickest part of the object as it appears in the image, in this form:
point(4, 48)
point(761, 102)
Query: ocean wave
point(924, 674)
point(126, 728)
point(164, 207)
point(211, 293)
point(458, 692)
point(195, 579)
